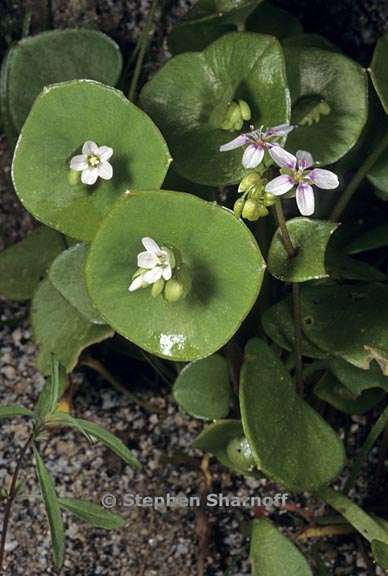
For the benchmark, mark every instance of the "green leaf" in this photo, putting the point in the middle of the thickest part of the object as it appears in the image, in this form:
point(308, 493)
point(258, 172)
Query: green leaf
point(221, 11)
point(225, 440)
point(109, 440)
point(273, 554)
point(378, 70)
point(67, 274)
point(52, 390)
point(272, 20)
point(348, 321)
point(189, 96)
point(380, 553)
point(290, 441)
point(360, 520)
point(218, 252)
point(60, 330)
point(52, 509)
point(309, 41)
point(378, 176)
point(310, 239)
point(203, 388)
point(23, 265)
point(355, 379)
point(57, 56)
point(330, 390)
point(370, 240)
point(278, 324)
point(195, 36)
point(92, 513)
point(319, 83)
point(12, 410)
point(62, 118)
point(341, 267)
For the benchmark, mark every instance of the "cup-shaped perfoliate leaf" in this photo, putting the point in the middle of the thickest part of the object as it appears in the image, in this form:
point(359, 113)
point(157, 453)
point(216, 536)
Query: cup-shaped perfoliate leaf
point(217, 251)
point(189, 98)
point(23, 265)
point(367, 526)
point(60, 330)
point(278, 324)
point(62, 119)
point(226, 441)
point(330, 117)
point(355, 379)
point(292, 443)
point(92, 513)
point(310, 239)
point(348, 321)
point(330, 390)
point(378, 70)
point(67, 274)
point(273, 554)
point(56, 56)
point(203, 388)
point(267, 19)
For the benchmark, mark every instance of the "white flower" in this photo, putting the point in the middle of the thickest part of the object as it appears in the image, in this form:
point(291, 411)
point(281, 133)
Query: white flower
point(256, 142)
point(93, 163)
point(297, 174)
point(154, 264)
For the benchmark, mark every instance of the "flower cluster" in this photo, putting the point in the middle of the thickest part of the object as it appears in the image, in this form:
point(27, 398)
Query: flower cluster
point(296, 171)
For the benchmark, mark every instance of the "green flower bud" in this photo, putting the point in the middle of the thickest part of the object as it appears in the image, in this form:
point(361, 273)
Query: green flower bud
point(227, 125)
point(238, 125)
point(269, 199)
point(157, 288)
point(73, 177)
point(233, 113)
point(262, 211)
point(245, 110)
point(238, 207)
point(178, 287)
point(251, 210)
point(240, 454)
point(249, 181)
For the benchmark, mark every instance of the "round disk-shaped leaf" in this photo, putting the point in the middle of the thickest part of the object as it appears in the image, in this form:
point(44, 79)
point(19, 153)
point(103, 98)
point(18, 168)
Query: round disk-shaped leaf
point(378, 70)
point(57, 56)
point(65, 116)
point(330, 117)
point(203, 388)
point(188, 99)
point(310, 239)
point(217, 250)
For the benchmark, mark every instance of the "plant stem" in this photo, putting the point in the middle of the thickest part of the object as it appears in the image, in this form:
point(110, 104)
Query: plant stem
point(373, 435)
point(144, 41)
point(357, 179)
point(291, 252)
point(10, 500)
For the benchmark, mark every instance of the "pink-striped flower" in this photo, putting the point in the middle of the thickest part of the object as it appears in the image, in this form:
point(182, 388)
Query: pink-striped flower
point(256, 142)
point(298, 171)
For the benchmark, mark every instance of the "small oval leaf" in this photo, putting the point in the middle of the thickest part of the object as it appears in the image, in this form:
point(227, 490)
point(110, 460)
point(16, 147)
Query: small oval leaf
point(92, 513)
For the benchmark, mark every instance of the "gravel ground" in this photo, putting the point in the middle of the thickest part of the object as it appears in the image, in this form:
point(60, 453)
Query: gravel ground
point(154, 542)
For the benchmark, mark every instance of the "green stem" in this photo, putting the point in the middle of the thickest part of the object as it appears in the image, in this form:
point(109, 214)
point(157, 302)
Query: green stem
point(10, 500)
point(373, 435)
point(358, 178)
point(144, 41)
point(288, 245)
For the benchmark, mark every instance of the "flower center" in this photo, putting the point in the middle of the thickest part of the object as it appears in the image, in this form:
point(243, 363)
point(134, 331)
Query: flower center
point(93, 160)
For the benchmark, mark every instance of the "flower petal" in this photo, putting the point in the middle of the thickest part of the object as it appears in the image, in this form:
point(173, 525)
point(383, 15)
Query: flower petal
point(281, 130)
point(89, 147)
point(233, 144)
point(147, 260)
point(253, 156)
point(153, 275)
point(305, 199)
point(136, 283)
point(167, 272)
point(280, 185)
point(105, 170)
point(79, 162)
point(282, 158)
point(151, 246)
point(305, 159)
point(324, 178)
point(104, 153)
point(89, 176)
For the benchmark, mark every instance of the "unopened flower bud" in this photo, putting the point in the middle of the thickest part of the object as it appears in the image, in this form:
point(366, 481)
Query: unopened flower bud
point(234, 113)
point(250, 211)
point(73, 177)
point(238, 125)
point(245, 110)
point(252, 179)
point(178, 287)
point(269, 199)
point(157, 288)
point(238, 207)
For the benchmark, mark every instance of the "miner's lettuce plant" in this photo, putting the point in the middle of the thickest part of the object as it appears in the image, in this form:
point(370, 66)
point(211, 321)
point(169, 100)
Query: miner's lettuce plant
point(216, 223)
